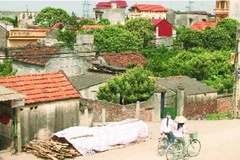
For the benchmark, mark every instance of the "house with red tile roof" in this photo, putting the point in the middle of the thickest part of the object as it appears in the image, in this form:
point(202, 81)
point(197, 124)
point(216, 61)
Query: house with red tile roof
point(124, 59)
point(44, 59)
point(153, 11)
point(202, 25)
point(51, 103)
point(113, 10)
point(163, 28)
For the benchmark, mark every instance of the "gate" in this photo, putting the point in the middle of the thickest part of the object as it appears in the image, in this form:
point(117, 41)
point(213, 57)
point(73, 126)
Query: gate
point(169, 103)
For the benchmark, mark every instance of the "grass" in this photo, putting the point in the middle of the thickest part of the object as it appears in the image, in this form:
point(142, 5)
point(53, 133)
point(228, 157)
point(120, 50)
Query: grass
point(219, 116)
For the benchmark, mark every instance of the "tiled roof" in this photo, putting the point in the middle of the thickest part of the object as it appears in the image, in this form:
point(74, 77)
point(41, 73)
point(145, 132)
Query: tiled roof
point(38, 55)
point(155, 22)
point(150, 7)
point(123, 59)
point(191, 86)
point(88, 27)
point(41, 87)
point(89, 79)
point(120, 3)
point(202, 25)
point(7, 94)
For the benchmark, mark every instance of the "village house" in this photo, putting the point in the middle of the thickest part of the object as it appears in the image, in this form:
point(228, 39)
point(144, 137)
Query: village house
point(44, 59)
point(202, 25)
point(222, 9)
point(148, 10)
point(88, 83)
point(188, 18)
point(22, 37)
point(198, 100)
point(51, 105)
point(114, 11)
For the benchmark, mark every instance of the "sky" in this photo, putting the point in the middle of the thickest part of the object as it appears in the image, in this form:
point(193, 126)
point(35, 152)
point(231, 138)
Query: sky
point(78, 7)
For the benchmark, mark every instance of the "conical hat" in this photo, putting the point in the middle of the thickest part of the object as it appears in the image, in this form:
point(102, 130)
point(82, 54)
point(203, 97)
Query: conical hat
point(180, 119)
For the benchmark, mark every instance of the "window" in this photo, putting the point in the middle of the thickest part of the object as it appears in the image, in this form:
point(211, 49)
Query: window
point(204, 20)
point(190, 20)
point(222, 4)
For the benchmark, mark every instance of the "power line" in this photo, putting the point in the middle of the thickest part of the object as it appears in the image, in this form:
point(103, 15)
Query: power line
point(86, 9)
point(190, 5)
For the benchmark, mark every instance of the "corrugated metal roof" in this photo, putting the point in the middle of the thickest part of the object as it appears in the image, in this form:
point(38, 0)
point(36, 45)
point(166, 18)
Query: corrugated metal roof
point(7, 94)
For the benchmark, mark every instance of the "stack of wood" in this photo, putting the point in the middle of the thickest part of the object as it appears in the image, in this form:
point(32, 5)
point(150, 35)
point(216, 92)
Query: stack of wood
point(52, 150)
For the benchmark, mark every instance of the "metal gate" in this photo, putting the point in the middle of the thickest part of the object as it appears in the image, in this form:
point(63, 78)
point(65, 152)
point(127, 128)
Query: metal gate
point(169, 103)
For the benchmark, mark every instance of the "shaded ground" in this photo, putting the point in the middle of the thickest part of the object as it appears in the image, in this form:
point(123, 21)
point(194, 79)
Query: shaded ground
point(220, 141)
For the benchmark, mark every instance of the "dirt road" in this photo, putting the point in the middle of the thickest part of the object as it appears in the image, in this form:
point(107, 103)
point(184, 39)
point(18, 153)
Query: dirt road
point(220, 141)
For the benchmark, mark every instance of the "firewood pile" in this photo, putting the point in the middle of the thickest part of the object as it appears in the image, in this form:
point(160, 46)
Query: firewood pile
point(51, 150)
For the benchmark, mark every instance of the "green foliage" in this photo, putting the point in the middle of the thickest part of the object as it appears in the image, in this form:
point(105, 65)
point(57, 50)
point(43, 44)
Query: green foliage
point(219, 116)
point(157, 59)
point(104, 21)
point(51, 16)
point(115, 39)
point(14, 21)
point(68, 37)
point(130, 87)
point(6, 68)
point(86, 22)
point(217, 39)
point(142, 28)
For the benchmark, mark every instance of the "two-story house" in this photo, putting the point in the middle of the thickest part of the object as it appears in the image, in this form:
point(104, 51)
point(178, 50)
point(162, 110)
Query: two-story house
point(222, 9)
point(148, 10)
point(114, 11)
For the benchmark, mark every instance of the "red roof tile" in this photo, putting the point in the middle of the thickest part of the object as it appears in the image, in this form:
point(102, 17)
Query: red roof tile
point(202, 25)
point(38, 55)
point(123, 59)
point(41, 87)
point(120, 3)
point(88, 27)
point(150, 7)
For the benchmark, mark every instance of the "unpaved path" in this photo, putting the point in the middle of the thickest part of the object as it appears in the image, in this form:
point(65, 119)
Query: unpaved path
point(220, 141)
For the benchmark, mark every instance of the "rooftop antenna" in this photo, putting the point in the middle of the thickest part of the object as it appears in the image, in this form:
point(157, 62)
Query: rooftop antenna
point(86, 9)
point(190, 5)
point(27, 8)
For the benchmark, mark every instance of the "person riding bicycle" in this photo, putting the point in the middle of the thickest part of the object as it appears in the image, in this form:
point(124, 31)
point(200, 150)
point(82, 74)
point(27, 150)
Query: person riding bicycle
point(179, 130)
point(166, 127)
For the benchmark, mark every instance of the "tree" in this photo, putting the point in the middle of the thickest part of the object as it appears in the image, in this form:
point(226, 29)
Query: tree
point(86, 22)
point(115, 39)
point(230, 26)
point(130, 87)
point(11, 20)
point(6, 68)
point(51, 16)
point(217, 39)
point(142, 28)
point(68, 37)
point(104, 21)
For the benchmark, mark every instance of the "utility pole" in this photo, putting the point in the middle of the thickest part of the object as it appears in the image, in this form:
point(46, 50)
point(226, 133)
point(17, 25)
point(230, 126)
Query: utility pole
point(236, 89)
point(86, 9)
point(190, 5)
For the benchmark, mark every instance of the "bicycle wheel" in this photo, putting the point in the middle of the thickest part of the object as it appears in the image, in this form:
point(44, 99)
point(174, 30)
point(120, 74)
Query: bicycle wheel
point(174, 151)
point(162, 144)
point(194, 148)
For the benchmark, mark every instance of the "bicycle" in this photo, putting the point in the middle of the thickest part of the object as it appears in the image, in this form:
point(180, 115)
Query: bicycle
point(162, 145)
point(193, 147)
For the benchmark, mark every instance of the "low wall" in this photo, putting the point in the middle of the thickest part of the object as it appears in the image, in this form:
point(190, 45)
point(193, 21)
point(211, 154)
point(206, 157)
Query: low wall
point(224, 103)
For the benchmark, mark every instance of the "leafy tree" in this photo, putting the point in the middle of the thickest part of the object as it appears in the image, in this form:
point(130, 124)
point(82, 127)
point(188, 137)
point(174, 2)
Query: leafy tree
point(86, 22)
point(14, 21)
point(115, 39)
point(104, 21)
point(73, 22)
point(130, 87)
point(217, 39)
point(68, 37)
point(6, 68)
point(157, 59)
point(142, 28)
point(230, 26)
point(51, 16)
point(189, 38)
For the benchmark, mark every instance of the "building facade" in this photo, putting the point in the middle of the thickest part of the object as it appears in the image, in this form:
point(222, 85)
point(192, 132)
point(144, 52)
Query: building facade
point(222, 9)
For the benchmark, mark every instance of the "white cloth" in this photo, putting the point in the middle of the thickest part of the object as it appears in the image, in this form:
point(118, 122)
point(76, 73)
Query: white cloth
point(164, 127)
point(180, 132)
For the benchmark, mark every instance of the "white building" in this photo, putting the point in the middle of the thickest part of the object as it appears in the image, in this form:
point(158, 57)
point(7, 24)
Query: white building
point(234, 11)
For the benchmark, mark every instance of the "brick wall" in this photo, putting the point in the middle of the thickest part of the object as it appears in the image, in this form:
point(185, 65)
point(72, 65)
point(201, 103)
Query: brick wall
point(116, 112)
point(224, 103)
point(200, 108)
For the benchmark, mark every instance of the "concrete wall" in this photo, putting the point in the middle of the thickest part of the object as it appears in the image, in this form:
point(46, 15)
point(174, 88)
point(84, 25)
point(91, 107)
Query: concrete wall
point(3, 37)
point(148, 110)
point(40, 121)
point(115, 16)
point(6, 130)
point(67, 61)
point(91, 92)
point(224, 103)
point(184, 19)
